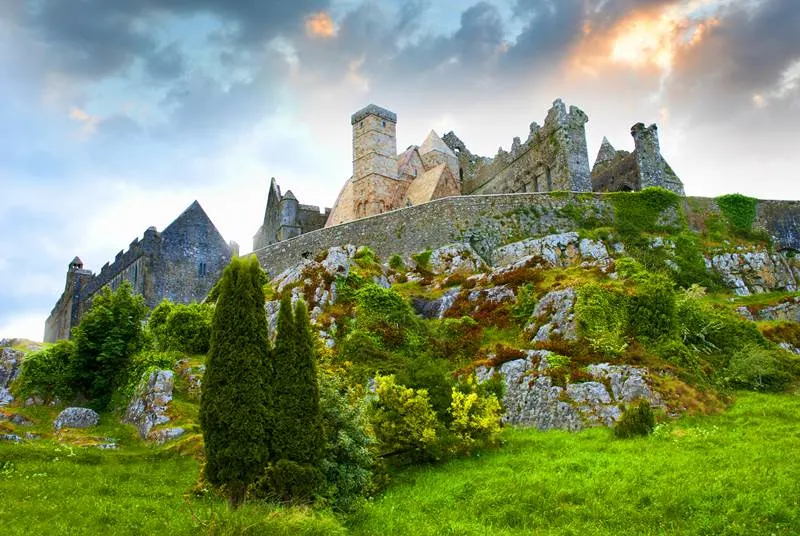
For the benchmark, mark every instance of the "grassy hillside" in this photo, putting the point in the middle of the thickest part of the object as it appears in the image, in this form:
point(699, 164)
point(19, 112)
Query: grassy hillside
point(732, 473)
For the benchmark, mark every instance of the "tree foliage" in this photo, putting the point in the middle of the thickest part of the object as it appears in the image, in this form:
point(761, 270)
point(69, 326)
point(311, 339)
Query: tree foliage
point(108, 335)
point(297, 436)
point(234, 399)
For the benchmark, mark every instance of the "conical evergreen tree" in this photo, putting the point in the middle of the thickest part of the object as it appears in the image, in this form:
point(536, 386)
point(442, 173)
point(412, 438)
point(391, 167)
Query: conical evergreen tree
point(307, 392)
point(297, 435)
point(234, 403)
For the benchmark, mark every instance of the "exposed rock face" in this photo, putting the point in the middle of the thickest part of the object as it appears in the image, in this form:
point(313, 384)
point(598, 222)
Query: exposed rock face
point(166, 434)
point(148, 407)
point(753, 272)
point(788, 311)
point(455, 258)
point(10, 361)
point(429, 309)
point(554, 315)
point(76, 418)
point(531, 399)
point(553, 251)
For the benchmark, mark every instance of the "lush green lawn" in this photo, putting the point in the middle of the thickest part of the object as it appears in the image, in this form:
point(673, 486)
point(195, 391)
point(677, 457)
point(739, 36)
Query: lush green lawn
point(735, 473)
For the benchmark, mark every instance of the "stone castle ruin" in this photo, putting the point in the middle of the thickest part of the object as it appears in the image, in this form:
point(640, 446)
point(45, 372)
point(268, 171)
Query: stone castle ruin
point(184, 261)
point(181, 264)
point(286, 218)
point(554, 157)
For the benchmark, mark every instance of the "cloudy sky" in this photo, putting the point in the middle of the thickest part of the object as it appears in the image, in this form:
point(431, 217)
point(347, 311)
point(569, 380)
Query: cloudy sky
point(116, 115)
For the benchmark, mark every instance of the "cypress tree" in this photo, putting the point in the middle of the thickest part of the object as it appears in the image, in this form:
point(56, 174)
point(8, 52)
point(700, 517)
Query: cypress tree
point(297, 435)
point(234, 400)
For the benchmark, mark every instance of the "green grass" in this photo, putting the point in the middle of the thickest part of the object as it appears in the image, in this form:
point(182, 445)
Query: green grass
point(736, 473)
point(733, 473)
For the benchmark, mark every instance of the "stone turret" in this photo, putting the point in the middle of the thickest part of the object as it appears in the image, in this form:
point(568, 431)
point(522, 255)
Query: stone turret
point(375, 180)
point(289, 207)
point(648, 155)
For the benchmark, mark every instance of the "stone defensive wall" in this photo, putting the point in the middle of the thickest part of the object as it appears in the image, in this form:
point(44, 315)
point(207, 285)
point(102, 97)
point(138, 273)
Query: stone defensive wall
point(487, 222)
point(124, 266)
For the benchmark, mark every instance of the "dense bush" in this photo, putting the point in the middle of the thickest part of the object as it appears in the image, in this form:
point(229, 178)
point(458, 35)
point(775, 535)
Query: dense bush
point(48, 373)
point(757, 369)
point(186, 328)
point(106, 338)
point(348, 459)
point(384, 313)
point(637, 420)
point(475, 418)
point(404, 422)
point(601, 315)
point(651, 308)
point(396, 263)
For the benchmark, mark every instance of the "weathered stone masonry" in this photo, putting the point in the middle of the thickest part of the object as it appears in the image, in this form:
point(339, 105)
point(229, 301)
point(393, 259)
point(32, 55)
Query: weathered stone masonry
point(486, 222)
point(181, 264)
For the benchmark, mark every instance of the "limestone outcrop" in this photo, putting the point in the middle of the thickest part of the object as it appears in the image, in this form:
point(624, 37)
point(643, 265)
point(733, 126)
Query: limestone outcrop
point(10, 361)
point(148, 406)
point(532, 399)
point(754, 271)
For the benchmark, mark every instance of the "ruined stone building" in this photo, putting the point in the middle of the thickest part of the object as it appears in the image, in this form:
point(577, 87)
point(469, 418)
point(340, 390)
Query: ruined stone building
point(554, 157)
point(384, 180)
point(620, 171)
point(181, 263)
point(285, 218)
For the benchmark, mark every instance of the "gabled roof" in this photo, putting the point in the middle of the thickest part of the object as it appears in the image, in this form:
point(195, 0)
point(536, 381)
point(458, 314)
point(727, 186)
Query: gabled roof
point(434, 143)
point(422, 189)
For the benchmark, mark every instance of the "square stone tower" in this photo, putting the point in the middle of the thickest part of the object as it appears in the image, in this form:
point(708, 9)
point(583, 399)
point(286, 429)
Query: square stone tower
point(376, 187)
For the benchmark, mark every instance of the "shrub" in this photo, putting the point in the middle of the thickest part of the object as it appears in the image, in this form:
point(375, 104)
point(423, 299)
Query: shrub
point(697, 325)
point(757, 369)
point(523, 308)
point(187, 328)
point(434, 377)
point(234, 402)
point(107, 336)
point(158, 316)
point(365, 256)
point(403, 420)
point(141, 364)
point(48, 373)
point(637, 420)
point(386, 314)
point(423, 260)
point(651, 308)
point(474, 417)
point(348, 459)
point(396, 262)
point(601, 315)
point(455, 339)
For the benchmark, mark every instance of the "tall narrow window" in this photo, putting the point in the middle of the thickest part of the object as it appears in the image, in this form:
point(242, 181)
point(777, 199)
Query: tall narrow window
point(202, 269)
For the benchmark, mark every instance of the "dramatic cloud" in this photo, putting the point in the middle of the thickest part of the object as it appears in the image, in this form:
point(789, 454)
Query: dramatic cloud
point(120, 113)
